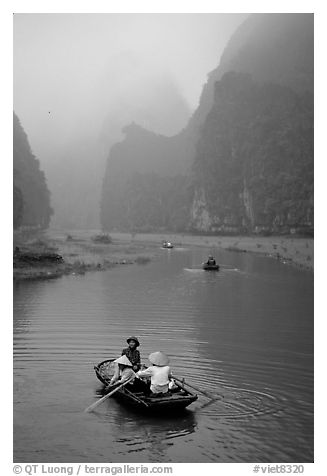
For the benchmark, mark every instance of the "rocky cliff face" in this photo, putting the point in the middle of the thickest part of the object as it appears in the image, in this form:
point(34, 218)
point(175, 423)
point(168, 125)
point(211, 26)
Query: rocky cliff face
point(144, 188)
point(271, 47)
point(253, 170)
point(31, 196)
point(247, 152)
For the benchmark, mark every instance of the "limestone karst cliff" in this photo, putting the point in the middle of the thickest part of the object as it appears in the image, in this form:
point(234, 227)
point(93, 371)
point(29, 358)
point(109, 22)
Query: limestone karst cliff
point(245, 159)
point(31, 197)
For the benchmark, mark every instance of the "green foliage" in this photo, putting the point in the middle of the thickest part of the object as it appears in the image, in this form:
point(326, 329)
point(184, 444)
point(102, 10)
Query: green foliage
point(257, 140)
point(144, 187)
point(253, 166)
point(151, 202)
point(155, 202)
point(18, 207)
point(31, 195)
point(104, 238)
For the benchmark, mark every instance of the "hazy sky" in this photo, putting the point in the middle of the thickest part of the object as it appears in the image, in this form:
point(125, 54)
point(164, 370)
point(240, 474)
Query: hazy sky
point(71, 70)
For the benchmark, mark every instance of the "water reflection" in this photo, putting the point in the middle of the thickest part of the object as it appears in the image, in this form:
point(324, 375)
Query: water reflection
point(26, 295)
point(244, 334)
point(153, 435)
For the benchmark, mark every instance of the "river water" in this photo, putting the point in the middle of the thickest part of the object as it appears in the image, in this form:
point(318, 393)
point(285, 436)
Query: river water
point(243, 334)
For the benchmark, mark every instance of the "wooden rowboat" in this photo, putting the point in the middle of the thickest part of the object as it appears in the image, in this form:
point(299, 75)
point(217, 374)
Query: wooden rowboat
point(137, 394)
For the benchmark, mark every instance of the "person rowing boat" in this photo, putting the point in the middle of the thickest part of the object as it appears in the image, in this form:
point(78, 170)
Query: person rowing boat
point(123, 370)
point(210, 264)
point(211, 261)
point(159, 373)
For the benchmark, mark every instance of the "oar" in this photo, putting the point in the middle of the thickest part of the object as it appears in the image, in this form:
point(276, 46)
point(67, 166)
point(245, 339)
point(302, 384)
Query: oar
point(95, 404)
point(209, 395)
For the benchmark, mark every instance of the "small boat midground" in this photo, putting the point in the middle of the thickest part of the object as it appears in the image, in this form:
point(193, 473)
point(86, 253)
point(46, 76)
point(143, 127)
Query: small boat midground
point(137, 395)
point(210, 267)
point(167, 244)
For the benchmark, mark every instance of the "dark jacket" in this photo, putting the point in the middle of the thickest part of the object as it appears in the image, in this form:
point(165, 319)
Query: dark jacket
point(133, 356)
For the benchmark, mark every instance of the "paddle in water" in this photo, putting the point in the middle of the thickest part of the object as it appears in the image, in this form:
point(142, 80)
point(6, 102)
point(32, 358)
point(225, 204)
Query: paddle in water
point(209, 395)
point(95, 404)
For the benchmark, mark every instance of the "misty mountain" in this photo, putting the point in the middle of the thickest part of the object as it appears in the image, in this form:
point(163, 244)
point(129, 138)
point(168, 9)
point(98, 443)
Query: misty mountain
point(30, 192)
point(153, 101)
point(271, 47)
point(74, 179)
point(266, 142)
point(76, 176)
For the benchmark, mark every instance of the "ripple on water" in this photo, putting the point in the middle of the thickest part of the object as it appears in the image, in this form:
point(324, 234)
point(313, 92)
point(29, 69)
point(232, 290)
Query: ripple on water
point(245, 340)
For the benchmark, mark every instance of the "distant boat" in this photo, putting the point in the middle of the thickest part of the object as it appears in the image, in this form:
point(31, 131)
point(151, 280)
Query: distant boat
point(138, 397)
point(210, 267)
point(167, 244)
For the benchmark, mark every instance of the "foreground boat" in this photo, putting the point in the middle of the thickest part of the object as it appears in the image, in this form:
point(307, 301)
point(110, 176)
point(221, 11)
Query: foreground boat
point(211, 267)
point(137, 394)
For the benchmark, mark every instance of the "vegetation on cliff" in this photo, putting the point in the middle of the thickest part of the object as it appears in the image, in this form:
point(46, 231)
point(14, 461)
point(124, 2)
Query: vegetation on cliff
point(254, 163)
point(144, 187)
point(31, 196)
point(245, 160)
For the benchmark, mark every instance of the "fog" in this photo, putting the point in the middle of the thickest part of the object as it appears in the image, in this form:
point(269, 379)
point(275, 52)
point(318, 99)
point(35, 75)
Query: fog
point(79, 78)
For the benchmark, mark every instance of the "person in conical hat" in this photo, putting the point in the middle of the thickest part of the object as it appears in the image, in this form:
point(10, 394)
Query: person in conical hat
point(159, 372)
point(123, 370)
point(123, 360)
point(159, 358)
point(132, 353)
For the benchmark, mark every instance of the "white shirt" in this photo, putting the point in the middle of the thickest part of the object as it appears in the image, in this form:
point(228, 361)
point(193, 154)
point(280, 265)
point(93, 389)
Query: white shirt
point(159, 377)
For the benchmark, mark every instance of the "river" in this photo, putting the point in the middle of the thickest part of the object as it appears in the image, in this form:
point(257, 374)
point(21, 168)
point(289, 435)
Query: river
point(243, 334)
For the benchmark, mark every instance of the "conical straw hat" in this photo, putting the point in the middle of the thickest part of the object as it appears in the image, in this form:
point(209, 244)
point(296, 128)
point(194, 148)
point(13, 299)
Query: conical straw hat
point(124, 361)
point(159, 358)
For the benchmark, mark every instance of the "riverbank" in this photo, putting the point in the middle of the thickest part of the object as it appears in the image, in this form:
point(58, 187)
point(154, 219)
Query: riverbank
point(49, 255)
point(290, 250)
